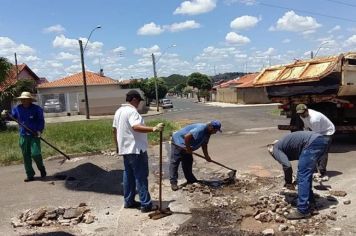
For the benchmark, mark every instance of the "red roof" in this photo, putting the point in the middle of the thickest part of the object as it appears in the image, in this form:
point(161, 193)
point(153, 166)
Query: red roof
point(77, 80)
point(247, 80)
point(11, 78)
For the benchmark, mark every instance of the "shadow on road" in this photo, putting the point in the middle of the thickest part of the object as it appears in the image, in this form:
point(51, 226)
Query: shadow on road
point(57, 233)
point(343, 143)
point(91, 178)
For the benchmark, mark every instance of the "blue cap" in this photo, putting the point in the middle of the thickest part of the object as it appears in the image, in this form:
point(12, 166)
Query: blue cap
point(216, 124)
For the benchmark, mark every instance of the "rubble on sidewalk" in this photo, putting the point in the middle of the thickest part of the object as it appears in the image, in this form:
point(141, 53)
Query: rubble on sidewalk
point(50, 216)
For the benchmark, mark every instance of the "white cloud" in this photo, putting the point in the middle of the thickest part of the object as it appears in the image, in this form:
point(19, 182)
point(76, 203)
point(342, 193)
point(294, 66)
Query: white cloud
point(244, 22)
point(195, 7)
point(56, 64)
point(30, 58)
point(119, 49)
point(295, 23)
point(246, 2)
point(351, 41)
point(150, 29)
point(66, 56)
point(54, 29)
point(189, 24)
point(234, 38)
point(8, 47)
point(62, 42)
point(335, 28)
point(93, 48)
point(286, 41)
point(147, 51)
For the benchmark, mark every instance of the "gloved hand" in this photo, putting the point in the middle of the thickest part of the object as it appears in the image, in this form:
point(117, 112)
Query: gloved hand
point(208, 158)
point(159, 127)
point(39, 134)
point(4, 114)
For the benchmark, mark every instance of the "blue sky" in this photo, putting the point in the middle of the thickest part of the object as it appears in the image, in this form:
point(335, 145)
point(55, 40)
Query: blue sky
point(211, 36)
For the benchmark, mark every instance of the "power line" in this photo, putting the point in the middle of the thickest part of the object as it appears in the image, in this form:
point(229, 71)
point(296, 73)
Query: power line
point(308, 12)
point(341, 3)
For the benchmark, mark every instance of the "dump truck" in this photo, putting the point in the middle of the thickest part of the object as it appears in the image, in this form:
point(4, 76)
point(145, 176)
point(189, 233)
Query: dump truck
point(325, 84)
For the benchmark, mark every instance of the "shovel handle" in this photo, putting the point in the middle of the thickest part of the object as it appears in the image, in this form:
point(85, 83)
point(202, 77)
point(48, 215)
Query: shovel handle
point(201, 156)
point(32, 132)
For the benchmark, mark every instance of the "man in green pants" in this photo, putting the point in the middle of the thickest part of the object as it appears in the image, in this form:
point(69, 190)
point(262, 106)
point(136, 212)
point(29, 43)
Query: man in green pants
point(31, 116)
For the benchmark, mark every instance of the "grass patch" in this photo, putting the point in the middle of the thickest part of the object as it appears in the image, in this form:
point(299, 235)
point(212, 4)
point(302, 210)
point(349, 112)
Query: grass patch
point(72, 138)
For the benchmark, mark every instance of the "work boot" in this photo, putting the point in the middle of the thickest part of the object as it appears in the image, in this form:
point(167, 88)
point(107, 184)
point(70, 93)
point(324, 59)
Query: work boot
point(29, 179)
point(149, 208)
point(133, 205)
point(174, 187)
point(43, 173)
point(297, 215)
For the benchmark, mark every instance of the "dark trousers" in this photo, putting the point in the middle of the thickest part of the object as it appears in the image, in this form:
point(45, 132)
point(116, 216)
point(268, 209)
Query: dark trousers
point(322, 163)
point(179, 155)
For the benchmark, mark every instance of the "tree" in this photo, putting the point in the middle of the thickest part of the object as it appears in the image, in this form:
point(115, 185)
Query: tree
point(149, 89)
point(5, 67)
point(178, 89)
point(200, 81)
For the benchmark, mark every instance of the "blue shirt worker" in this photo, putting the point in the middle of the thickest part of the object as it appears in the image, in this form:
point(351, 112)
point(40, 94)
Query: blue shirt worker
point(184, 142)
point(130, 138)
point(31, 116)
point(307, 147)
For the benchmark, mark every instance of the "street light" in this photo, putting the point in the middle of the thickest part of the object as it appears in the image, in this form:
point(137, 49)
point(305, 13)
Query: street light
point(83, 70)
point(155, 72)
point(320, 46)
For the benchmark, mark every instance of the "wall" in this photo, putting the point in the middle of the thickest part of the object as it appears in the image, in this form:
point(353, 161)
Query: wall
point(103, 99)
point(252, 96)
point(227, 95)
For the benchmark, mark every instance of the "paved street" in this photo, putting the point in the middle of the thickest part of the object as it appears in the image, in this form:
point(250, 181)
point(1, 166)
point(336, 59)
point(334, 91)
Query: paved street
point(241, 145)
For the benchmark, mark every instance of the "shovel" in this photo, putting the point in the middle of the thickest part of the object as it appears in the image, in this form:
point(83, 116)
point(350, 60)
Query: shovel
point(33, 133)
point(160, 213)
point(231, 174)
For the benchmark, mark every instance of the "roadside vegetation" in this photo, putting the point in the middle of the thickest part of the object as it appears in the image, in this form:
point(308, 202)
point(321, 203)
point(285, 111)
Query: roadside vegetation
point(73, 138)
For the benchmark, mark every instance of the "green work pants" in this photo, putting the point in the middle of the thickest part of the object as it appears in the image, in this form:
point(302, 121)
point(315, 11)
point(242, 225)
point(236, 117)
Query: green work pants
point(31, 148)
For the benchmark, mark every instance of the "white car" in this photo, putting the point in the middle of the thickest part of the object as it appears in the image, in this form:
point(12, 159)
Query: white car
point(52, 105)
point(166, 103)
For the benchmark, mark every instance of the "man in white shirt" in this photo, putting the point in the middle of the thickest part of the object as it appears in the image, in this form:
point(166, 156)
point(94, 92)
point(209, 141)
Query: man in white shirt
point(130, 137)
point(319, 123)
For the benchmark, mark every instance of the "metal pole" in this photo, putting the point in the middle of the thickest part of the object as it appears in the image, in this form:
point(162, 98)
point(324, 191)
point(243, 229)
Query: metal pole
point(84, 80)
point(160, 169)
point(155, 76)
point(17, 68)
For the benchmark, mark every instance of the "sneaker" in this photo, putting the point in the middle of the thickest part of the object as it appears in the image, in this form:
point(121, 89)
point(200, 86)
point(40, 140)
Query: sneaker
point(174, 187)
point(149, 208)
point(43, 173)
point(133, 205)
point(296, 215)
point(29, 179)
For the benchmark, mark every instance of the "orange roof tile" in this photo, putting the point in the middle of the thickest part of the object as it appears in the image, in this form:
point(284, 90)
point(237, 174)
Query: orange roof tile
point(247, 80)
point(11, 77)
point(77, 80)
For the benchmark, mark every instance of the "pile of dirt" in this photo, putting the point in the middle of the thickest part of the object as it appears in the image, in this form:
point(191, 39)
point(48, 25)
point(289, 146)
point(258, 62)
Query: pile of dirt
point(249, 206)
point(50, 216)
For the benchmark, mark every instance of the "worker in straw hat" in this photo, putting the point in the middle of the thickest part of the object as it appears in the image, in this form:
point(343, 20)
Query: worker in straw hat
point(30, 115)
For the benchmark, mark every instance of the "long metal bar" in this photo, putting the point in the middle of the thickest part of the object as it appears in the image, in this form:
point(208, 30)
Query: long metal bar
point(160, 168)
point(32, 132)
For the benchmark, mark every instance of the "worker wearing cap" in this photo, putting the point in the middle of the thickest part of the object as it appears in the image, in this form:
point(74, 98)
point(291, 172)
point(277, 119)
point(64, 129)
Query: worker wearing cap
point(31, 115)
point(319, 123)
point(184, 142)
point(307, 147)
point(130, 138)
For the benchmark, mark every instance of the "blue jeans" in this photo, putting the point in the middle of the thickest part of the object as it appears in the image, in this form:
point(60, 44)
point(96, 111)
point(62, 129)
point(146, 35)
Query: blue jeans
point(179, 155)
point(136, 175)
point(307, 163)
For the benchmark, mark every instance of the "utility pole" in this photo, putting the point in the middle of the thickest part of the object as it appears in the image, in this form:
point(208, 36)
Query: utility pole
point(17, 68)
point(84, 80)
point(155, 76)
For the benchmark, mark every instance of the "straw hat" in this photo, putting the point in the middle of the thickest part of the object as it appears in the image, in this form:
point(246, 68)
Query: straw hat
point(26, 95)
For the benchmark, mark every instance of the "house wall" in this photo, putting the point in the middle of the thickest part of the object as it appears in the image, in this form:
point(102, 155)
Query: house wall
point(226, 95)
point(252, 96)
point(103, 99)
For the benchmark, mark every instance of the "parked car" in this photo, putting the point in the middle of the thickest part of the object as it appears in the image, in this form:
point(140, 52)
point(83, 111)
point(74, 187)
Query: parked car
point(166, 103)
point(52, 105)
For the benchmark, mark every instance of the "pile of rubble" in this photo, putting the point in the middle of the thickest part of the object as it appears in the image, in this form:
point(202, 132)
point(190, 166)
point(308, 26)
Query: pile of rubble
point(50, 216)
point(109, 153)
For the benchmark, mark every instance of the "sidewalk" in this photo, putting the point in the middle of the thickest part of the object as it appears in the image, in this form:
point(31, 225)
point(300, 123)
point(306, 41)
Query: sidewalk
point(223, 104)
